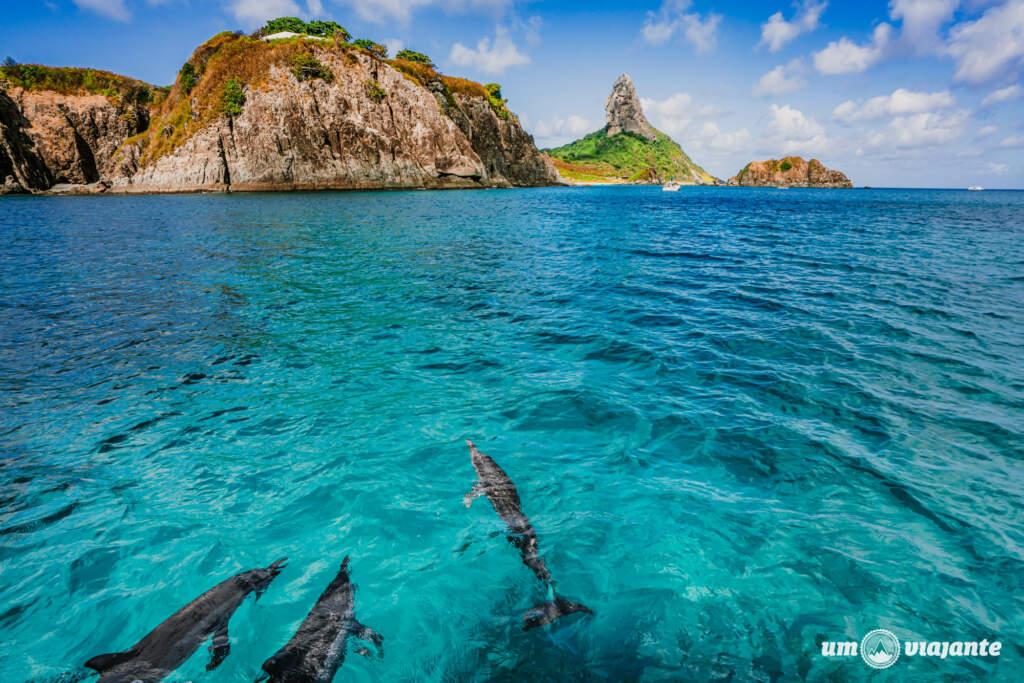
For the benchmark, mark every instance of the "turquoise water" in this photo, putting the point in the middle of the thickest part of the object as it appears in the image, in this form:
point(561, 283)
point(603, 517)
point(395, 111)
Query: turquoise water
point(741, 421)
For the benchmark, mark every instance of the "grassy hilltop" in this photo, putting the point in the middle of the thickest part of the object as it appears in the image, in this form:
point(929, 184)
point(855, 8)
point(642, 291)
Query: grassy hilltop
point(626, 157)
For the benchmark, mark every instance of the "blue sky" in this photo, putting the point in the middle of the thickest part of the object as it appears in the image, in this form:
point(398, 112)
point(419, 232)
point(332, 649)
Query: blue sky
point(907, 93)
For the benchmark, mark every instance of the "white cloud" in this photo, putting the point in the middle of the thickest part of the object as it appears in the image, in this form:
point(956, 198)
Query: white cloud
point(901, 102)
point(1013, 92)
point(1012, 141)
point(253, 13)
point(920, 130)
point(672, 18)
point(988, 130)
point(490, 57)
point(998, 169)
point(702, 33)
point(711, 137)
point(844, 56)
point(789, 132)
point(394, 46)
point(781, 80)
point(921, 21)
point(990, 46)
point(572, 126)
point(114, 9)
point(776, 32)
point(675, 113)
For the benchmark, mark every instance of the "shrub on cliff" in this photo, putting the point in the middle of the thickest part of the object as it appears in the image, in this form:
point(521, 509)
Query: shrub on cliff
point(187, 77)
point(322, 29)
point(496, 100)
point(233, 98)
point(326, 29)
point(375, 48)
point(417, 57)
point(375, 92)
point(306, 67)
point(785, 165)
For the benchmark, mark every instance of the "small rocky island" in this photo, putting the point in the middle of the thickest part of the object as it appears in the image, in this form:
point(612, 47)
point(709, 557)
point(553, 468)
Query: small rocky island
point(628, 149)
point(789, 172)
point(303, 109)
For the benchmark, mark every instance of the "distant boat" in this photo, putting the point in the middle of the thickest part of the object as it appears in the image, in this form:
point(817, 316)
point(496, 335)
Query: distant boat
point(975, 188)
point(671, 186)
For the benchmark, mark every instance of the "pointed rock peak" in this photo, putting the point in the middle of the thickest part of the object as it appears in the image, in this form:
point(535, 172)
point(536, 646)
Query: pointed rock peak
point(624, 112)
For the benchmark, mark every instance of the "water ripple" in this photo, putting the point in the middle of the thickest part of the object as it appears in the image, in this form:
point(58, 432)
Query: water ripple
point(741, 421)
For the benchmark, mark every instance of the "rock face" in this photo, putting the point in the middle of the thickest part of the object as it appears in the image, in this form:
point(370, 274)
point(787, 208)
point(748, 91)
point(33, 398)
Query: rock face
point(22, 168)
point(334, 133)
point(78, 135)
point(624, 112)
point(789, 172)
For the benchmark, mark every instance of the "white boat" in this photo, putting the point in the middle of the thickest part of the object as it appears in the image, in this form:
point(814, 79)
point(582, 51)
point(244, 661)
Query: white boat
point(671, 186)
point(975, 188)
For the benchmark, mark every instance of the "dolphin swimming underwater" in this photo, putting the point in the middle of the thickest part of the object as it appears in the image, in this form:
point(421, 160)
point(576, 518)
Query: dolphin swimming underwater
point(166, 647)
point(317, 649)
point(493, 482)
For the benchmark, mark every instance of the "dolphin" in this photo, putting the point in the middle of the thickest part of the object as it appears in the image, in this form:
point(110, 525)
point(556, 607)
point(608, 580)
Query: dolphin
point(166, 647)
point(317, 649)
point(493, 482)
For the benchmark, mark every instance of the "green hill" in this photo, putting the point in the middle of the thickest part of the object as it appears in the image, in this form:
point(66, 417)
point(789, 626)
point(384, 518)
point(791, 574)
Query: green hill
point(627, 156)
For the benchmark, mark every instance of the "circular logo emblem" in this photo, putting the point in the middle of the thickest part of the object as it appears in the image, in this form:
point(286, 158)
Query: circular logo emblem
point(880, 649)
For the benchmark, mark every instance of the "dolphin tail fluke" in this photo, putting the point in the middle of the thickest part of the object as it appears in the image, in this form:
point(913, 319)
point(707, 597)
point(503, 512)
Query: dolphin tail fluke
point(550, 610)
point(101, 663)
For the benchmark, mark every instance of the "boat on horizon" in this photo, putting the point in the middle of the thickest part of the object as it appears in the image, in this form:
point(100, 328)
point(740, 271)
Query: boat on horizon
point(671, 186)
point(975, 188)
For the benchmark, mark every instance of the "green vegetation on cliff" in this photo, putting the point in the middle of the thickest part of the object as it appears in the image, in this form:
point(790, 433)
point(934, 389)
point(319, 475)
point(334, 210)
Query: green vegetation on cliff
point(374, 47)
point(72, 81)
point(413, 56)
point(306, 67)
point(631, 157)
point(322, 29)
point(233, 98)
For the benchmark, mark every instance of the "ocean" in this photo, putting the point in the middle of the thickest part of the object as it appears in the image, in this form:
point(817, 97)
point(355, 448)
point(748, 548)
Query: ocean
point(742, 422)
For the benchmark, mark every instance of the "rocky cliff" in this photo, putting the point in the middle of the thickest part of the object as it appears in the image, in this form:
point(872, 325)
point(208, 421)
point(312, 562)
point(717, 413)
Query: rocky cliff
point(22, 168)
point(624, 113)
point(275, 115)
point(628, 149)
point(789, 172)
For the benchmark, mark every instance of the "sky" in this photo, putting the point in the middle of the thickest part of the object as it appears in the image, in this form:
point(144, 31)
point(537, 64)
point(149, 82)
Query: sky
point(904, 93)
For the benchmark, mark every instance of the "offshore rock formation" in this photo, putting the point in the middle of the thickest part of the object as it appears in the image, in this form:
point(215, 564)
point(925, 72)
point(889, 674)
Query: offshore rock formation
point(628, 149)
point(366, 123)
point(624, 112)
point(789, 172)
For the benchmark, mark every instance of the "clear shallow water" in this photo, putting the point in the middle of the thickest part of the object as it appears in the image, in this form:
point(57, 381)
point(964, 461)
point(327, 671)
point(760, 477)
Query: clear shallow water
point(742, 421)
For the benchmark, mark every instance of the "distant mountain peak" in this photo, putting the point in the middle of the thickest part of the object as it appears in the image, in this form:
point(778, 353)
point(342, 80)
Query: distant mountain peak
point(624, 111)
